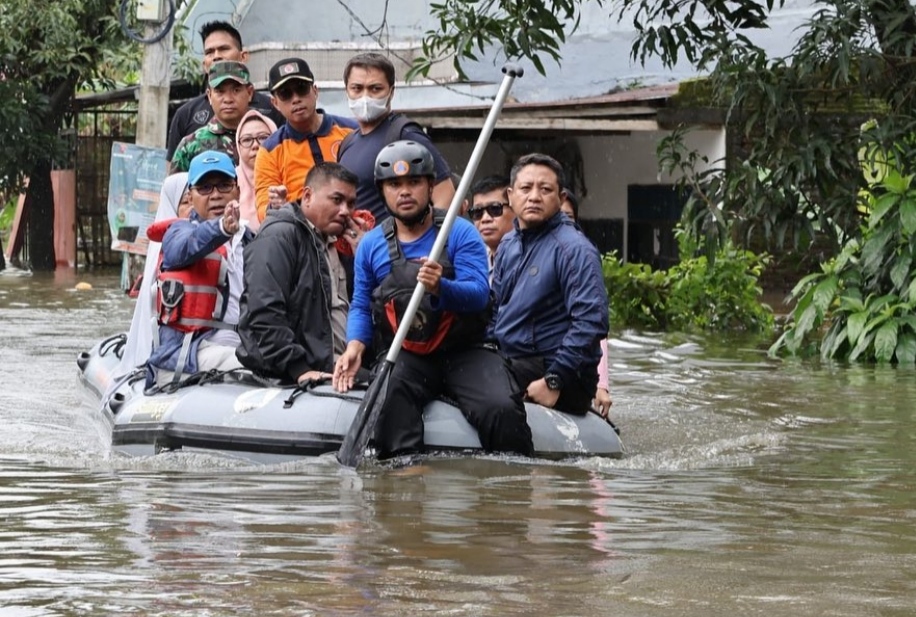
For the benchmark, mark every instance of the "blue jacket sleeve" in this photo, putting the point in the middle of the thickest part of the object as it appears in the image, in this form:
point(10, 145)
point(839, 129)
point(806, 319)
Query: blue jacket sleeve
point(186, 242)
point(585, 297)
point(469, 291)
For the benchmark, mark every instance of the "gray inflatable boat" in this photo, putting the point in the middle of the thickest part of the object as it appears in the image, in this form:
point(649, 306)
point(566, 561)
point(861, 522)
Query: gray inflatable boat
point(271, 424)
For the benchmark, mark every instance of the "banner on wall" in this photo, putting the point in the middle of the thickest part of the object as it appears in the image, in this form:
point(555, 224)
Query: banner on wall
point(137, 173)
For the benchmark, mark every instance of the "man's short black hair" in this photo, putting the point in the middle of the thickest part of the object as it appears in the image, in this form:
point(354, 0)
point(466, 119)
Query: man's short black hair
point(324, 172)
point(573, 200)
point(370, 60)
point(490, 183)
point(536, 158)
point(220, 26)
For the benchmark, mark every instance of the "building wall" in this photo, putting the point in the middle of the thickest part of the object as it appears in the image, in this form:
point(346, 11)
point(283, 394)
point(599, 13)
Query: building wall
point(611, 165)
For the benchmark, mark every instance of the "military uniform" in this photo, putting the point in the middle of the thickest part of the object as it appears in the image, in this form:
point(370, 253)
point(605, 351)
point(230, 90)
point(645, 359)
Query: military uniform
point(213, 136)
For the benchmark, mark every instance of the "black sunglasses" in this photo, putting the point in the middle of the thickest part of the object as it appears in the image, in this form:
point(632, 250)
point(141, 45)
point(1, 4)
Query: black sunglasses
point(297, 87)
point(495, 209)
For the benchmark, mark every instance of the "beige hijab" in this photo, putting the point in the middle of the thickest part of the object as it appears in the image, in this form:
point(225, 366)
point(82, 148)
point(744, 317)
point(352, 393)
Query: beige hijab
point(247, 206)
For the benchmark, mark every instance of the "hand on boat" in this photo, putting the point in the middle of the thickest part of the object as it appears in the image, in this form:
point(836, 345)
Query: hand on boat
point(312, 376)
point(602, 402)
point(538, 392)
point(347, 365)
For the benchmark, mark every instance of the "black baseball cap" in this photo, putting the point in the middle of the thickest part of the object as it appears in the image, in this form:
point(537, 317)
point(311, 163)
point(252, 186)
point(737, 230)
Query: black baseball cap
point(285, 70)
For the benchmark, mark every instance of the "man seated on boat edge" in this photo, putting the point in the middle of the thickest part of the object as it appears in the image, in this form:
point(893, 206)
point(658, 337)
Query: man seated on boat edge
point(443, 353)
point(551, 305)
point(200, 277)
point(298, 285)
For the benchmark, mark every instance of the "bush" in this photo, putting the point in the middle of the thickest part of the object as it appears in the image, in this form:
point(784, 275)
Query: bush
point(718, 293)
point(862, 305)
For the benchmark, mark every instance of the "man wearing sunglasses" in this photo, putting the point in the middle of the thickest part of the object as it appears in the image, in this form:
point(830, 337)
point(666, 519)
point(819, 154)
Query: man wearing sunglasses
point(201, 276)
point(309, 136)
point(491, 213)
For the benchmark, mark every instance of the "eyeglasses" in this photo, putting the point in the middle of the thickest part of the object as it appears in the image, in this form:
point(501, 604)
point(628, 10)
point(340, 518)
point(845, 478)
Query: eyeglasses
point(298, 87)
point(495, 209)
point(249, 140)
point(206, 189)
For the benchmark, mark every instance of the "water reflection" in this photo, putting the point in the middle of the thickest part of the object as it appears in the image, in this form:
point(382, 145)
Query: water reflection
point(750, 486)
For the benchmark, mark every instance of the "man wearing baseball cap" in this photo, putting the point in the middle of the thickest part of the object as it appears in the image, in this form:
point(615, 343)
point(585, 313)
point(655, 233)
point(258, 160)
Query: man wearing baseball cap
point(221, 41)
point(309, 136)
point(229, 90)
point(201, 276)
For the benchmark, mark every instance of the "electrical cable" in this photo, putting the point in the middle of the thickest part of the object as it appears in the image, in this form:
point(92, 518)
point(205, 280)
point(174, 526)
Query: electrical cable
point(136, 36)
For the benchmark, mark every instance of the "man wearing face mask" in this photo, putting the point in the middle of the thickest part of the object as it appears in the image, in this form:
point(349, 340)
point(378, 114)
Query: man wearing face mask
point(309, 136)
point(369, 79)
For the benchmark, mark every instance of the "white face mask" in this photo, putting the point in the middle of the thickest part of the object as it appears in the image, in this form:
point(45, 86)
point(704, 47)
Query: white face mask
point(368, 109)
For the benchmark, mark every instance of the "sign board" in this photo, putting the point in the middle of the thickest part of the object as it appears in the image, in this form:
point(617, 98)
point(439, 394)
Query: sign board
point(137, 173)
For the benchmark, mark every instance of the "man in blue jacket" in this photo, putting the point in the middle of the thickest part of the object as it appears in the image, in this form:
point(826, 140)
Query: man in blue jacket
point(443, 352)
point(551, 307)
point(200, 278)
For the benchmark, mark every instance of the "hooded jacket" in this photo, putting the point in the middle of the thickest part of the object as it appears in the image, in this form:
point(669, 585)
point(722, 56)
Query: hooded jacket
point(285, 323)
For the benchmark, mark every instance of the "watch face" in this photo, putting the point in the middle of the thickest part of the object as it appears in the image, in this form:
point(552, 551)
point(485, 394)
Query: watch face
point(553, 382)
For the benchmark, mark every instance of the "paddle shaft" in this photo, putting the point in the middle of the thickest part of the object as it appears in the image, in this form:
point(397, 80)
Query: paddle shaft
point(511, 71)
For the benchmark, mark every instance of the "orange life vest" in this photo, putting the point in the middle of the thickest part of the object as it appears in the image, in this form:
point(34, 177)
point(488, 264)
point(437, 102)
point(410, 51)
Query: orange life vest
point(193, 298)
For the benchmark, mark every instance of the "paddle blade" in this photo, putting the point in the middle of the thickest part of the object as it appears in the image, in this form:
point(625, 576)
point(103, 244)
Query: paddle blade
point(357, 439)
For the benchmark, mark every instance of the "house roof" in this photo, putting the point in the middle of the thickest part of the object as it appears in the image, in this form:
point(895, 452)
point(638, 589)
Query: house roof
point(624, 111)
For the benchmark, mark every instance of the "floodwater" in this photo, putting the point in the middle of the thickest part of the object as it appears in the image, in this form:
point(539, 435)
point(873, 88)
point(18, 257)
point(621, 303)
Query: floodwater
point(750, 487)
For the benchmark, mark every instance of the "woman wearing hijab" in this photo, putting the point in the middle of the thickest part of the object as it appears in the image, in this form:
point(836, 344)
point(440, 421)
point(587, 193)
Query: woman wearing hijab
point(173, 203)
point(253, 130)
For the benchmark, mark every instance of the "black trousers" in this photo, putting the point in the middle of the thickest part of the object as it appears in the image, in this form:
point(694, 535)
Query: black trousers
point(575, 397)
point(477, 379)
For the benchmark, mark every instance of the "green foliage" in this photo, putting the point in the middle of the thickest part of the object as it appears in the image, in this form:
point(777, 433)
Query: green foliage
point(48, 49)
point(699, 293)
point(526, 29)
point(7, 213)
point(862, 305)
point(636, 294)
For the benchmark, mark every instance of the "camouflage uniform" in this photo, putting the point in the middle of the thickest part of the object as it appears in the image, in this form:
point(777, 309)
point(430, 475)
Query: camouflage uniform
point(213, 136)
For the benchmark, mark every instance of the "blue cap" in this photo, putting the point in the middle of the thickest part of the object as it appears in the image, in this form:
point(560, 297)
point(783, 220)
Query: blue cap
point(208, 161)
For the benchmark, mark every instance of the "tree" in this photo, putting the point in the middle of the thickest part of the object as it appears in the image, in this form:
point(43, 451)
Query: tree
point(796, 121)
point(48, 49)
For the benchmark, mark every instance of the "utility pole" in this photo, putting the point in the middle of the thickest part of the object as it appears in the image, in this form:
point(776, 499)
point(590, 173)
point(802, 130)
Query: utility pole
point(155, 77)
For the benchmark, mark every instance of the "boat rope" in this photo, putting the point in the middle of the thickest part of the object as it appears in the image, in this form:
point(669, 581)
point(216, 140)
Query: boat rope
point(114, 344)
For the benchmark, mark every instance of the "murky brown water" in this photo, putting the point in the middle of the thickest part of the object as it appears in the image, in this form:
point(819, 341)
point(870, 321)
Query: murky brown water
point(750, 488)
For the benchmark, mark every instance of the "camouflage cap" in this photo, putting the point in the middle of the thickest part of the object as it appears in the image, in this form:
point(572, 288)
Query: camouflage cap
point(221, 71)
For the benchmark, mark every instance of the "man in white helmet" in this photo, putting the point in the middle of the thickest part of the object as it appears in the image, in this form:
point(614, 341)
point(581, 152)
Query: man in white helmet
point(443, 351)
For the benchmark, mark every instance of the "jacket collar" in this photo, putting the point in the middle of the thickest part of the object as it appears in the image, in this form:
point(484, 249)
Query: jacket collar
point(552, 223)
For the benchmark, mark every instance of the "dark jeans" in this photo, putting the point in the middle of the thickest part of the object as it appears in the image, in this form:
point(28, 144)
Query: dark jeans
point(575, 397)
point(477, 379)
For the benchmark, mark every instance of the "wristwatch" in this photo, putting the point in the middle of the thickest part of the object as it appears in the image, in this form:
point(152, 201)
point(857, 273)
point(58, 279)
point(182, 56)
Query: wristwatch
point(553, 381)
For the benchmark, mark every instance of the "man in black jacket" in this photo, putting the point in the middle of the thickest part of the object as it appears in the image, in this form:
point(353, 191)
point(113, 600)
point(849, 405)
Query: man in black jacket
point(296, 298)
